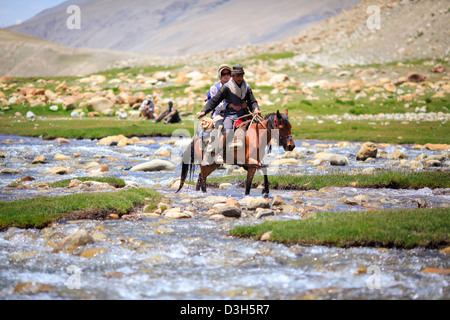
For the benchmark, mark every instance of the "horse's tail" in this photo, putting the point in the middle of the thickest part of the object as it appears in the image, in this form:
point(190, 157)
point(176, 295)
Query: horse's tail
point(187, 164)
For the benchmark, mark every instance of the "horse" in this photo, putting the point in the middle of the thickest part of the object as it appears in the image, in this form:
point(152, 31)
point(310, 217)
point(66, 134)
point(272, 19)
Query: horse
point(258, 136)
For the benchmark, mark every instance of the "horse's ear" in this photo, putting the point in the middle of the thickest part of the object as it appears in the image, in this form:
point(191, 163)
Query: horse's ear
point(286, 112)
point(278, 114)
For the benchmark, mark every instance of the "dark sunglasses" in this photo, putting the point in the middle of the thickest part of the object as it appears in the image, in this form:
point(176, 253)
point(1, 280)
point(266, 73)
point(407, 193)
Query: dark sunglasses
point(226, 74)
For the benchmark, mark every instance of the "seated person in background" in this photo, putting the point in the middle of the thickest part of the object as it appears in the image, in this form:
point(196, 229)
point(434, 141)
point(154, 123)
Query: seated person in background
point(171, 115)
point(147, 108)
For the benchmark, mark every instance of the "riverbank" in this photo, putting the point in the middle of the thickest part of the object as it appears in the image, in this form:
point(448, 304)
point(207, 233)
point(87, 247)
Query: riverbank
point(388, 179)
point(41, 212)
point(402, 229)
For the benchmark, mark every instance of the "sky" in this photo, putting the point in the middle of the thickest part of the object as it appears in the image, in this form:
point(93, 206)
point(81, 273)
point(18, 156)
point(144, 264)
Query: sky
point(16, 11)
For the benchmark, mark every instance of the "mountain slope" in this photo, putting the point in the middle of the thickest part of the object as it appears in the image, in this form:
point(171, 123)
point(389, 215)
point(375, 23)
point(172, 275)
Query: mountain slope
point(179, 27)
point(27, 56)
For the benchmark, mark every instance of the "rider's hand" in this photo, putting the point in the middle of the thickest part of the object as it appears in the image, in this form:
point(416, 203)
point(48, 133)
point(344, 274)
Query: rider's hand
point(201, 114)
point(257, 111)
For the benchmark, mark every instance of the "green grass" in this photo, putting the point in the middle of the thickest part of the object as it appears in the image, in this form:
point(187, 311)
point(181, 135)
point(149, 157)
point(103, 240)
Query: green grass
point(42, 211)
point(116, 182)
point(427, 228)
point(272, 56)
point(89, 128)
point(92, 128)
point(391, 179)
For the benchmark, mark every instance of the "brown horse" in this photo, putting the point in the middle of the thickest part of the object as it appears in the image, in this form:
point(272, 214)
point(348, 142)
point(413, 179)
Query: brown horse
point(258, 136)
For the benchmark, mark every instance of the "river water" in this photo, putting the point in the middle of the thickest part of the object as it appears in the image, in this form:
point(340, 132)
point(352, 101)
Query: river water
point(160, 258)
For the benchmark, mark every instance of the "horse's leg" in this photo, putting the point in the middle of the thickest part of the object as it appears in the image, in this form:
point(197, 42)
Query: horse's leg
point(248, 183)
point(265, 191)
point(204, 173)
point(199, 182)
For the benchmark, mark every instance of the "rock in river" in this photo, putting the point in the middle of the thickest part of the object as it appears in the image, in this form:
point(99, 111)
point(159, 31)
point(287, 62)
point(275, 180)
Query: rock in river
point(154, 165)
point(70, 243)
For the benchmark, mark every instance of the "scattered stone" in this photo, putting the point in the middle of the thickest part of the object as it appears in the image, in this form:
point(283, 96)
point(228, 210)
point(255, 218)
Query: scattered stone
point(277, 201)
point(433, 163)
point(59, 170)
point(266, 236)
point(212, 200)
point(439, 68)
point(437, 271)
point(225, 186)
point(39, 160)
point(175, 213)
point(228, 211)
point(333, 159)
point(423, 203)
point(30, 115)
point(9, 171)
point(29, 288)
point(416, 77)
point(253, 204)
point(261, 213)
point(89, 253)
point(60, 156)
point(62, 140)
point(399, 155)
point(70, 243)
point(369, 150)
point(154, 165)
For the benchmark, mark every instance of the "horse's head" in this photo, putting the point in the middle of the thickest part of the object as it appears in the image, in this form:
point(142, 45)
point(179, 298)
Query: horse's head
point(281, 123)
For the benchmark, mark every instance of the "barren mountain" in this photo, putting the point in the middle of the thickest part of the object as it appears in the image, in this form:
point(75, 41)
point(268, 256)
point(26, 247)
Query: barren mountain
point(408, 30)
point(179, 27)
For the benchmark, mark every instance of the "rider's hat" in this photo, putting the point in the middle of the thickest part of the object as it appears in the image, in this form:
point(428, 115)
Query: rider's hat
point(221, 68)
point(238, 69)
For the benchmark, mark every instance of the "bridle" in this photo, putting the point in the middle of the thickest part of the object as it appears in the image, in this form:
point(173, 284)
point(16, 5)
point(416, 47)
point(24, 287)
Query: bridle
point(285, 139)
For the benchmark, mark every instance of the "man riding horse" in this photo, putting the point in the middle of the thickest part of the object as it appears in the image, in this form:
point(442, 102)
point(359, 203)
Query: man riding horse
point(239, 98)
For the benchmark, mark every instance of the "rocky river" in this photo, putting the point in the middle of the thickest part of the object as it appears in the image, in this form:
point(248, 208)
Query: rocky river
point(186, 252)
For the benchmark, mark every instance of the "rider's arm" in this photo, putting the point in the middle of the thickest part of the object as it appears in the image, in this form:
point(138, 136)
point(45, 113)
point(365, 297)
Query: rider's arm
point(223, 93)
point(251, 100)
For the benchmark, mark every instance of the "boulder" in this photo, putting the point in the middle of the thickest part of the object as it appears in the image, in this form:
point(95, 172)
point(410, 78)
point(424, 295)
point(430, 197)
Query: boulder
point(333, 159)
point(70, 243)
point(228, 211)
point(368, 150)
point(212, 200)
point(258, 203)
point(175, 213)
point(39, 160)
point(9, 171)
point(102, 105)
point(399, 155)
point(59, 170)
point(416, 77)
point(154, 165)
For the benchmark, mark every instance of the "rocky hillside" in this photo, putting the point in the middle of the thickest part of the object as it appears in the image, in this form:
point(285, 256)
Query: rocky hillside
point(409, 29)
point(179, 27)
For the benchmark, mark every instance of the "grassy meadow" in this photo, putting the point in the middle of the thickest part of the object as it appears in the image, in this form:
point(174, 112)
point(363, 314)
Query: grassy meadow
point(311, 93)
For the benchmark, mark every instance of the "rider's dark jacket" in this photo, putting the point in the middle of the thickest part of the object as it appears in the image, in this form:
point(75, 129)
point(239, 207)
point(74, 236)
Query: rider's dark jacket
point(226, 94)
